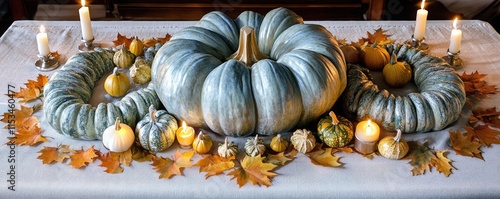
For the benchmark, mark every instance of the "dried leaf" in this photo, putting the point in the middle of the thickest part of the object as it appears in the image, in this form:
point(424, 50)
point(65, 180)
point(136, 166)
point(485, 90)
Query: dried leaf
point(165, 39)
point(442, 163)
point(28, 137)
point(324, 158)
point(81, 158)
point(278, 159)
point(420, 158)
point(54, 154)
point(169, 167)
point(150, 42)
point(111, 163)
point(23, 117)
point(378, 36)
point(253, 170)
point(55, 55)
point(33, 90)
point(122, 39)
point(484, 134)
point(343, 149)
point(476, 87)
point(463, 144)
point(488, 116)
point(139, 154)
point(124, 158)
point(214, 164)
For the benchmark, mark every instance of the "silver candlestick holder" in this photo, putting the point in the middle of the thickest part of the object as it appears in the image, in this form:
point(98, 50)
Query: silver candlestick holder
point(88, 45)
point(454, 60)
point(46, 63)
point(418, 43)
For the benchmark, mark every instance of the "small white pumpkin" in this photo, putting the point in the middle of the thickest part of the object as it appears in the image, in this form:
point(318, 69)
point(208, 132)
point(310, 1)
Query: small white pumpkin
point(255, 146)
point(118, 137)
point(227, 149)
point(303, 140)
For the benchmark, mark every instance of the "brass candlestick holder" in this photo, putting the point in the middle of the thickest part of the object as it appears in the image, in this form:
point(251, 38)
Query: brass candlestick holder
point(88, 45)
point(46, 62)
point(418, 43)
point(454, 60)
point(364, 147)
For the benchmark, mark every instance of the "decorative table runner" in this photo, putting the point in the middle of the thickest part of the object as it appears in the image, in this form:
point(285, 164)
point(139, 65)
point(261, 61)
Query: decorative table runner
point(359, 177)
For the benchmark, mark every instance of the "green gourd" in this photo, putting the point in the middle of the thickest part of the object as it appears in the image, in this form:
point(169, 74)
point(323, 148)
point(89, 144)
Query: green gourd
point(335, 131)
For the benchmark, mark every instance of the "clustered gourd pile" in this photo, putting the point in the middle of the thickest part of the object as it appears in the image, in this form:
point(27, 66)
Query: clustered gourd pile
point(249, 76)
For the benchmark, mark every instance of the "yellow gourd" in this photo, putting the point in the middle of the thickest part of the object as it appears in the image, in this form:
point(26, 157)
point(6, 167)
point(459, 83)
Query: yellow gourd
point(396, 74)
point(137, 47)
point(303, 140)
point(202, 143)
point(393, 147)
point(116, 84)
point(375, 57)
point(123, 58)
point(278, 144)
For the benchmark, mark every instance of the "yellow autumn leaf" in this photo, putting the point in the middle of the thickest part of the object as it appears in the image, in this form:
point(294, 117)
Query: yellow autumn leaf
point(442, 163)
point(324, 158)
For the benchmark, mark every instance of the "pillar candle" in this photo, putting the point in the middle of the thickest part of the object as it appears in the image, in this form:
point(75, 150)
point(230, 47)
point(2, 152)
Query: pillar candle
point(455, 38)
point(85, 22)
point(367, 131)
point(420, 23)
point(43, 42)
point(185, 136)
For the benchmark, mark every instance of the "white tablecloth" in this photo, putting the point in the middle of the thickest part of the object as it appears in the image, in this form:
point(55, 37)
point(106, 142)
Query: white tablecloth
point(357, 178)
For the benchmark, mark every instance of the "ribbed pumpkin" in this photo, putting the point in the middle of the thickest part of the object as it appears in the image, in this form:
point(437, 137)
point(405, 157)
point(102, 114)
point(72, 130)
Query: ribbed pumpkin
point(255, 146)
point(393, 147)
point(67, 94)
point(395, 73)
point(118, 137)
point(375, 57)
point(156, 131)
point(136, 47)
point(140, 72)
point(303, 140)
point(438, 104)
point(123, 58)
point(202, 143)
point(335, 131)
point(300, 80)
point(116, 84)
point(278, 143)
point(227, 149)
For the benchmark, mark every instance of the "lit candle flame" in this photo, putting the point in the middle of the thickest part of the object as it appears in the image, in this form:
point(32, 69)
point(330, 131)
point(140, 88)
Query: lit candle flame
point(455, 23)
point(83, 3)
point(423, 3)
point(368, 127)
point(42, 29)
point(183, 125)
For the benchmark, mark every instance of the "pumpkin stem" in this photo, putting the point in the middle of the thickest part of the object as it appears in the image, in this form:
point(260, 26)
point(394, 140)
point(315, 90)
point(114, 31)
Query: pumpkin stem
point(152, 112)
point(248, 51)
point(397, 138)
point(116, 72)
point(394, 59)
point(226, 141)
point(256, 140)
point(278, 138)
point(200, 136)
point(335, 120)
point(117, 124)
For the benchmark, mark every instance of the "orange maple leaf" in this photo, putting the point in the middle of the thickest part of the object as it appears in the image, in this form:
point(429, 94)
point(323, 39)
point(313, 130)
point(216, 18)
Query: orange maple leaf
point(442, 163)
point(280, 158)
point(324, 158)
point(121, 39)
point(150, 42)
point(28, 136)
point(124, 158)
point(33, 90)
point(111, 163)
point(379, 36)
point(165, 39)
point(81, 158)
point(484, 134)
point(464, 144)
point(476, 87)
point(214, 164)
point(54, 154)
point(24, 118)
point(169, 167)
point(139, 154)
point(488, 116)
point(253, 170)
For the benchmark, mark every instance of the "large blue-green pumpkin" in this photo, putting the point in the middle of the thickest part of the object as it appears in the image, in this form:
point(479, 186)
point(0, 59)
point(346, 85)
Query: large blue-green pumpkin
point(302, 78)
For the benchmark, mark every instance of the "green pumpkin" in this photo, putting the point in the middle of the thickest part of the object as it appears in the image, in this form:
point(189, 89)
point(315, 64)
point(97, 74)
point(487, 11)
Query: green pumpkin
point(156, 131)
point(280, 75)
point(68, 92)
point(437, 105)
point(335, 131)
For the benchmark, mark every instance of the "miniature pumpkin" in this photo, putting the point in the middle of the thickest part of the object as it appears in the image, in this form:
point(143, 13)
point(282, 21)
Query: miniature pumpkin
point(156, 131)
point(227, 149)
point(351, 53)
point(396, 74)
point(202, 143)
point(393, 147)
point(278, 144)
point(255, 146)
point(136, 47)
point(303, 140)
point(375, 57)
point(116, 84)
point(335, 131)
point(140, 72)
point(123, 58)
point(118, 137)
point(302, 78)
